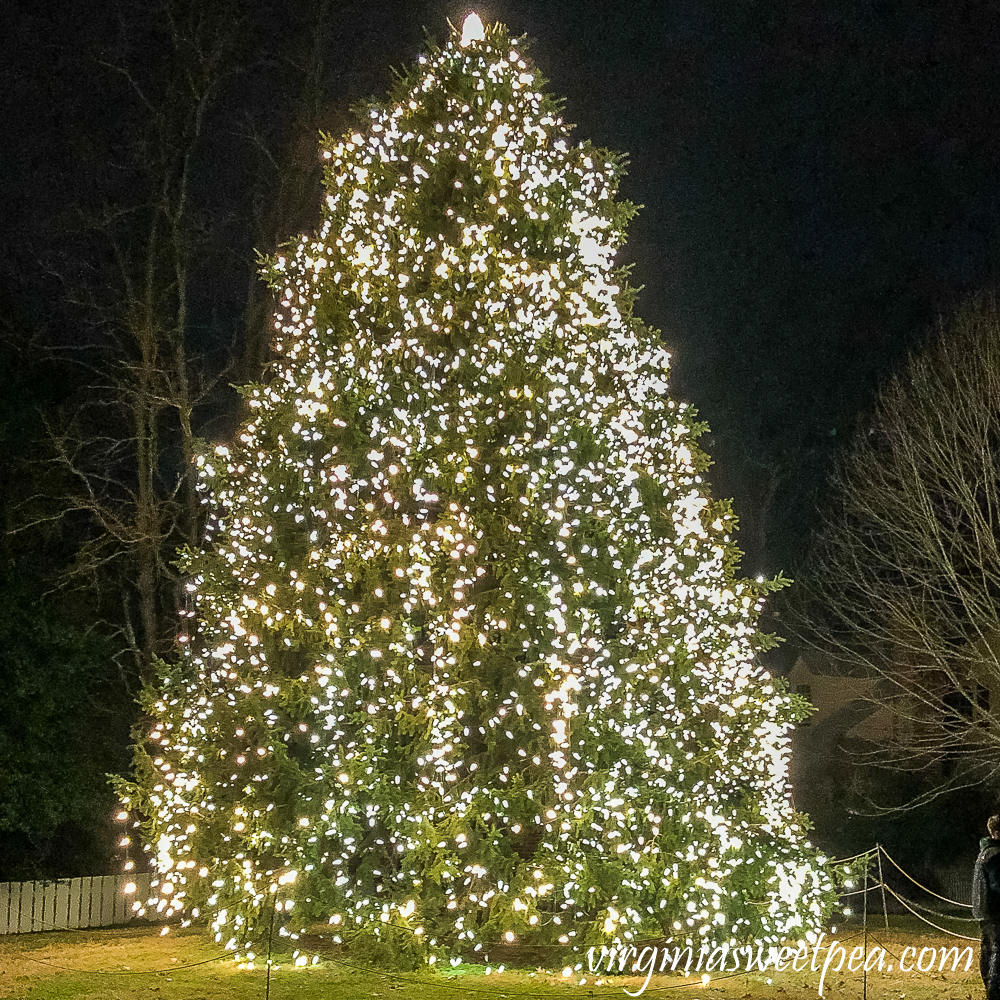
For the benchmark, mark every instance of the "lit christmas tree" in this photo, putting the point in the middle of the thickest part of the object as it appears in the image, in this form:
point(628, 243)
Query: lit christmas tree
point(472, 665)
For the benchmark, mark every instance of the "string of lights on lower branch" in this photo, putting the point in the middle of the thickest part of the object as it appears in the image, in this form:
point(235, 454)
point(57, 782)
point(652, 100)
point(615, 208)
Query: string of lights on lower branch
point(470, 664)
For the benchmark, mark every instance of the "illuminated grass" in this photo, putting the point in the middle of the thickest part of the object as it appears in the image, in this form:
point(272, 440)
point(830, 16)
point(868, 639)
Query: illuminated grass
point(139, 963)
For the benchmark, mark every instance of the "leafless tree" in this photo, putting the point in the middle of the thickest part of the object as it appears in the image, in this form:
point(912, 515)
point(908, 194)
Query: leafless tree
point(142, 260)
point(123, 445)
point(289, 190)
point(904, 578)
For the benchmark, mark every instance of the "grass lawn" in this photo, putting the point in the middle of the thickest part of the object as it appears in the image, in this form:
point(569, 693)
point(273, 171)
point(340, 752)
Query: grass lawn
point(139, 963)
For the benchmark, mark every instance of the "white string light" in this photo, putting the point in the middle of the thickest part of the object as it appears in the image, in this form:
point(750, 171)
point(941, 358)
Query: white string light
point(472, 665)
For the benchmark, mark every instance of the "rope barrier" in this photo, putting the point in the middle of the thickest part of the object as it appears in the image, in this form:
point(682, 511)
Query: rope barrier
point(937, 913)
point(857, 892)
point(944, 930)
point(931, 892)
point(927, 909)
point(854, 857)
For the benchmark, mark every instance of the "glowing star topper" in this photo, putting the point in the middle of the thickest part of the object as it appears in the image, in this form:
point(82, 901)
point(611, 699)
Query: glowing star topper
point(472, 30)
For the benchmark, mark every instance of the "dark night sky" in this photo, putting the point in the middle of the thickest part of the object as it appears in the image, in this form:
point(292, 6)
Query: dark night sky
point(819, 181)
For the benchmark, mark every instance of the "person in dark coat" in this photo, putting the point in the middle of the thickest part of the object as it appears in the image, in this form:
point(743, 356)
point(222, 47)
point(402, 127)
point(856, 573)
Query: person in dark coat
point(986, 907)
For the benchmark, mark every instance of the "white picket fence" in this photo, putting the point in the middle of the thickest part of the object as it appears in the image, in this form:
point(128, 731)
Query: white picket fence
point(101, 901)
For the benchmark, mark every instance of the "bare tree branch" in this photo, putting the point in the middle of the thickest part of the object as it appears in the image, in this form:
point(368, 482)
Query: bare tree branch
point(904, 580)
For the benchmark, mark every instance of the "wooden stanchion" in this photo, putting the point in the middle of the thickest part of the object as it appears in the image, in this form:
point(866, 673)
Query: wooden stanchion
point(864, 923)
point(881, 882)
point(270, 936)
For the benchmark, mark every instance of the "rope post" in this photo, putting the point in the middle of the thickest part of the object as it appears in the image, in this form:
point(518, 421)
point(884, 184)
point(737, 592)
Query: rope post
point(881, 882)
point(864, 922)
point(270, 936)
